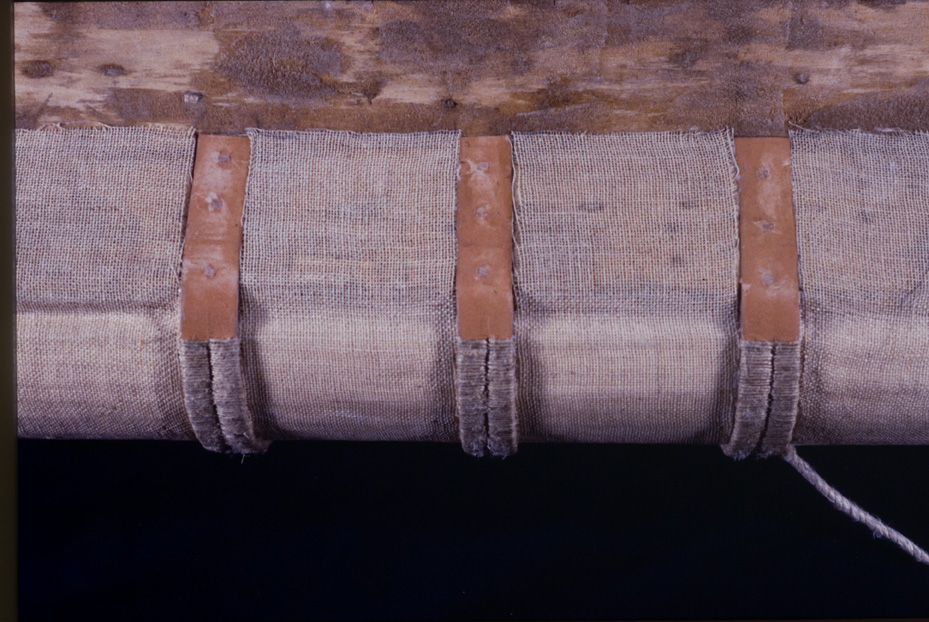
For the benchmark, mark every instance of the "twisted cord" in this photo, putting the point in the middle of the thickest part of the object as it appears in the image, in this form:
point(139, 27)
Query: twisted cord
point(845, 505)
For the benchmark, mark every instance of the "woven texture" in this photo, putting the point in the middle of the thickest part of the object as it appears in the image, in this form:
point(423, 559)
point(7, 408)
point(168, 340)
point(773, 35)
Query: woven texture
point(214, 395)
point(471, 394)
point(784, 401)
point(99, 234)
point(485, 392)
point(198, 394)
point(626, 264)
point(862, 204)
point(235, 420)
point(752, 398)
point(502, 415)
point(348, 266)
point(766, 400)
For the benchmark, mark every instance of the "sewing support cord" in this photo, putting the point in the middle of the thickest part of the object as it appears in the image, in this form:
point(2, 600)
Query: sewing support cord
point(843, 504)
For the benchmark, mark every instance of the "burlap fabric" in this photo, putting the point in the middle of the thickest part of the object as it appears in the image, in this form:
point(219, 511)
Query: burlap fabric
point(862, 204)
point(626, 263)
point(99, 231)
point(348, 266)
point(625, 275)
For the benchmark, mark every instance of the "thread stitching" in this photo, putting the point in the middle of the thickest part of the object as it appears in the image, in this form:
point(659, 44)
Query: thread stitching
point(228, 391)
point(485, 385)
point(502, 423)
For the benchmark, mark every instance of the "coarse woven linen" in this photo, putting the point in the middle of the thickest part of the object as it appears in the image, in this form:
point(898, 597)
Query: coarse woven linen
point(235, 420)
point(626, 272)
point(198, 394)
point(348, 266)
point(862, 203)
point(99, 236)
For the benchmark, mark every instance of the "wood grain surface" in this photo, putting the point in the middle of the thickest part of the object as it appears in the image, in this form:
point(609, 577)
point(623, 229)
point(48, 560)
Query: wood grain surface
point(486, 68)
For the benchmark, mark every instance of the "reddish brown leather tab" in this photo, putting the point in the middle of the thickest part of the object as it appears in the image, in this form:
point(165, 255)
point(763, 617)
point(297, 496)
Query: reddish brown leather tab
point(213, 239)
point(484, 280)
point(769, 279)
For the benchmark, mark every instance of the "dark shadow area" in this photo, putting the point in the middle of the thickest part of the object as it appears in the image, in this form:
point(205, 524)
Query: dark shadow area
point(165, 530)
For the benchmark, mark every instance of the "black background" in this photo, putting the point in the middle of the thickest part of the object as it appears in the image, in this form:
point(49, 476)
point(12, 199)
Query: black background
point(166, 530)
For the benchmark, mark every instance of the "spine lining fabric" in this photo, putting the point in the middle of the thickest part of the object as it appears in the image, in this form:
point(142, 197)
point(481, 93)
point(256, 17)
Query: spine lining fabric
point(625, 273)
point(625, 265)
point(862, 203)
point(626, 276)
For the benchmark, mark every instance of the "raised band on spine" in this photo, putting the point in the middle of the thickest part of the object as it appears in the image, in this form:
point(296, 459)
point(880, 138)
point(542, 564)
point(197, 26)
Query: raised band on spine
point(769, 347)
point(210, 353)
point(486, 379)
point(198, 394)
point(235, 420)
point(502, 423)
point(785, 397)
point(751, 409)
point(471, 394)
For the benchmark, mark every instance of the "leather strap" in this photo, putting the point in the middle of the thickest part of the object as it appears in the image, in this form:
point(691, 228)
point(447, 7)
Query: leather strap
point(485, 383)
point(213, 239)
point(211, 366)
point(769, 277)
point(769, 348)
point(483, 280)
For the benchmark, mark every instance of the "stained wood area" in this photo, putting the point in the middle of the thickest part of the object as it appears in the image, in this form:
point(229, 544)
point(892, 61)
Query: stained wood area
point(486, 67)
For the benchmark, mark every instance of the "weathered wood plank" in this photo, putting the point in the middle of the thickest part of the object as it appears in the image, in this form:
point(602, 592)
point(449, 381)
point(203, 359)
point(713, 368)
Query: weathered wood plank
point(486, 68)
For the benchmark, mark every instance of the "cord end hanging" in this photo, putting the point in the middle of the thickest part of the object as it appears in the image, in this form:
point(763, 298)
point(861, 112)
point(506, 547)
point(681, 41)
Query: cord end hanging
point(846, 506)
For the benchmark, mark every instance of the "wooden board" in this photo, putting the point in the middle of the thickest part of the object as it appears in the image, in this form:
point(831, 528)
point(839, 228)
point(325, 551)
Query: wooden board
point(486, 68)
